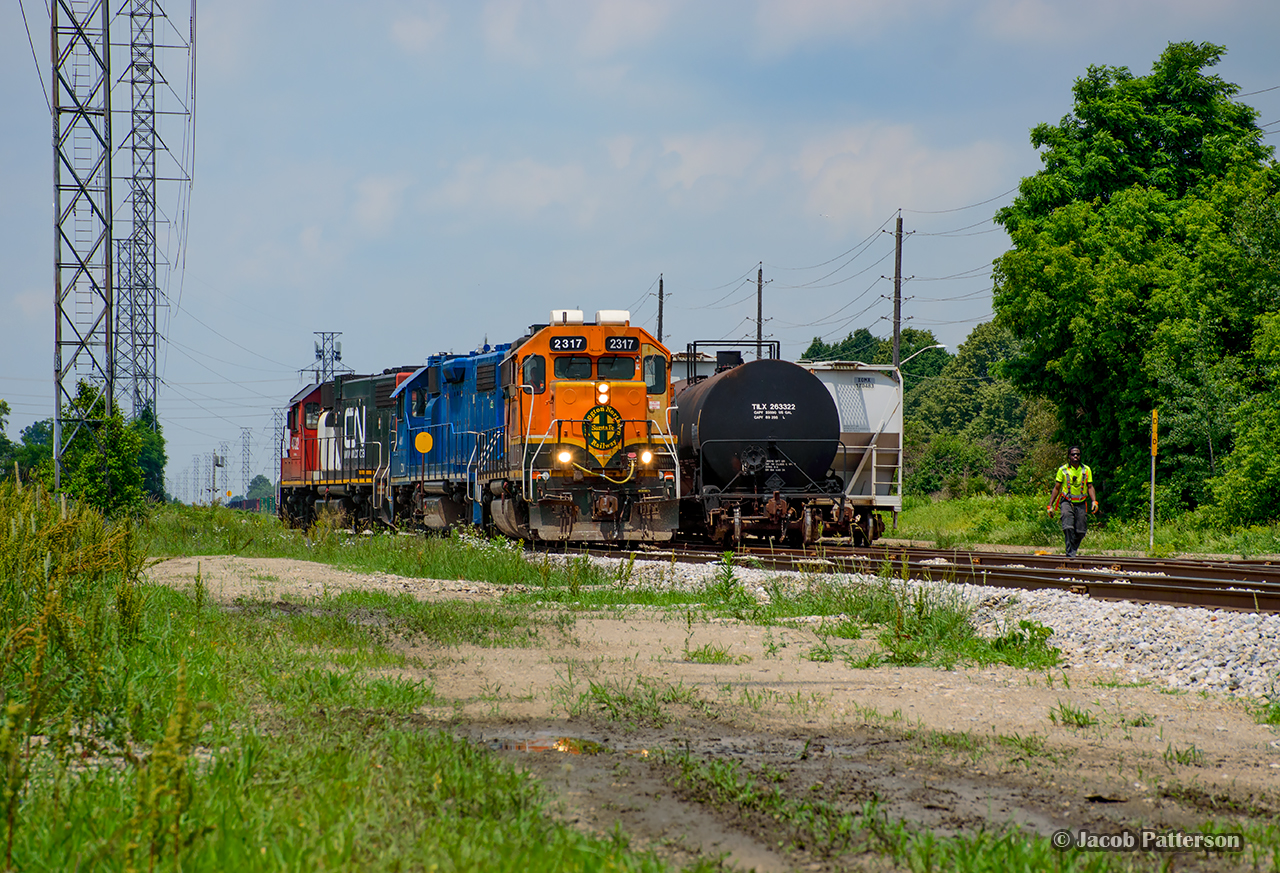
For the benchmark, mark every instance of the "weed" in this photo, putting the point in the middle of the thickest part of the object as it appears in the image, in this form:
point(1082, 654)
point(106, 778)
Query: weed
point(1142, 719)
point(712, 653)
point(868, 661)
point(1188, 757)
point(1268, 712)
point(1068, 715)
point(1030, 746)
point(846, 628)
point(824, 652)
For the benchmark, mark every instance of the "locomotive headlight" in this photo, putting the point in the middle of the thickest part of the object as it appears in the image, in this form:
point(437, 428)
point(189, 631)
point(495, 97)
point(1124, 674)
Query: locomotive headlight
point(646, 456)
point(564, 457)
point(602, 393)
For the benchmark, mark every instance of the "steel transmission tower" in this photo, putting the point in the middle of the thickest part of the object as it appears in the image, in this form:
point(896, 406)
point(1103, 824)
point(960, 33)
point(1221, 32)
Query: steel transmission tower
point(136, 333)
point(83, 344)
point(139, 255)
point(245, 433)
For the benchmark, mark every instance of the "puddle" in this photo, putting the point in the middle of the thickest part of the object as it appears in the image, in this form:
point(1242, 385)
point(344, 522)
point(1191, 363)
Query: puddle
point(557, 743)
point(546, 743)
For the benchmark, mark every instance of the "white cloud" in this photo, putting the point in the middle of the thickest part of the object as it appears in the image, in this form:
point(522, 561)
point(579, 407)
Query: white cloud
point(783, 24)
point(520, 189)
point(378, 200)
point(698, 156)
point(501, 27)
point(620, 149)
point(1049, 21)
point(862, 174)
point(417, 33)
point(616, 24)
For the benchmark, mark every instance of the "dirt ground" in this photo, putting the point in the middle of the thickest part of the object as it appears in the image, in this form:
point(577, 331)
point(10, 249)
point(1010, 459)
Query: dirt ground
point(949, 750)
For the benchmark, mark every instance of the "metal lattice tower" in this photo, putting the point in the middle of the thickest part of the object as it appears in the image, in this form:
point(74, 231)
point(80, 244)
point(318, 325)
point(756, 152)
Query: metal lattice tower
point(277, 427)
point(83, 345)
point(224, 481)
point(245, 434)
point(328, 357)
point(137, 291)
point(207, 484)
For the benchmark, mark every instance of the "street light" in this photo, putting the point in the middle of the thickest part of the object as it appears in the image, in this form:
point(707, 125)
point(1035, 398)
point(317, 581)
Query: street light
point(925, 349)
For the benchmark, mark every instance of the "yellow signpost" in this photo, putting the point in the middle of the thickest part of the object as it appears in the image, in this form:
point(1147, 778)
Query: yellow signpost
point(1155, 443)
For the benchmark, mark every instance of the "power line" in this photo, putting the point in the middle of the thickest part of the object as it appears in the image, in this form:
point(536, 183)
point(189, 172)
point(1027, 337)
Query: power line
point(44, 89)
point(961, 208)
point(868, 239)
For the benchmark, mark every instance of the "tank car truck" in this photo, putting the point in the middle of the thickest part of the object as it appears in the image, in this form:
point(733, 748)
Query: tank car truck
point(757, 443)
point(868, 400)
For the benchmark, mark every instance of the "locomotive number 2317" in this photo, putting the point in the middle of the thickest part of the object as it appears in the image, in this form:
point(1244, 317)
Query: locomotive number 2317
point(621, 343)
point(568, 343)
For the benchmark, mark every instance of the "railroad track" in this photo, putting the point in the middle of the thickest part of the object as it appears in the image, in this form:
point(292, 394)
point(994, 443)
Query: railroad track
point(1249, 586)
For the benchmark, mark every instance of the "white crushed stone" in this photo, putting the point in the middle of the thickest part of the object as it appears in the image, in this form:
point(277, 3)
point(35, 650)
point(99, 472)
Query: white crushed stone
point(1184, 647)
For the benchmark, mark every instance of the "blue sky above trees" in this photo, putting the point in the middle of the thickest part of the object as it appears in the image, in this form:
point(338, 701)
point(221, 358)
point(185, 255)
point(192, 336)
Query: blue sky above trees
point(425, 176)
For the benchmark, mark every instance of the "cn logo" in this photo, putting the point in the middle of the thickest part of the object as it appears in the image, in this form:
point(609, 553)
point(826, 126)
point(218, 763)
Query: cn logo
point(353, 427)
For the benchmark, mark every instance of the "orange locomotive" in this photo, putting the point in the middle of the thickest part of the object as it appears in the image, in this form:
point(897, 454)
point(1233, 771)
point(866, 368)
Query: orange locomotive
point(589, 450)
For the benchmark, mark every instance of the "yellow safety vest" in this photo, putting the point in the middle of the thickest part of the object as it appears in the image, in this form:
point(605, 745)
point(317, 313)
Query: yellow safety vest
point(1075, 482)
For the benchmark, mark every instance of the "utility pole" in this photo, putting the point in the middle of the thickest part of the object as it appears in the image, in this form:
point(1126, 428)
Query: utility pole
point(659, 307)
point(759, 310)
point(897, 292)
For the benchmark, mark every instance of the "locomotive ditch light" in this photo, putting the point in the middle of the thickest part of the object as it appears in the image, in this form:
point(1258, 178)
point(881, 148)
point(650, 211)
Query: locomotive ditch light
point(564, 457)
point(646, 457)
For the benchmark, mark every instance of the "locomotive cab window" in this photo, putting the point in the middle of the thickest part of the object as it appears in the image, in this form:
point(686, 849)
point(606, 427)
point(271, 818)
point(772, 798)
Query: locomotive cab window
point(655, 374)
point(418, 403)
point(312, 415)
point(616, 367)
point(292, 422)
point(534, 373)
point(573, 367)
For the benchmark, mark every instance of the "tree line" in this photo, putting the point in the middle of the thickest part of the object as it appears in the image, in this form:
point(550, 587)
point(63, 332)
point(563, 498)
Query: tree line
point(1144, 274)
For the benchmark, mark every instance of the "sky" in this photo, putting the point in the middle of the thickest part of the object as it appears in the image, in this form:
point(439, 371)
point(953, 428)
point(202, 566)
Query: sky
point(429, 176)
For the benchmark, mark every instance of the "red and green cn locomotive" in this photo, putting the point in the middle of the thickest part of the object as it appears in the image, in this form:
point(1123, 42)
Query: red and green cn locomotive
point(562, 435)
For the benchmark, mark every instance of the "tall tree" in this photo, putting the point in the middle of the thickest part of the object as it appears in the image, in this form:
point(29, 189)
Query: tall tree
point(1128, 281)
point(151, 457)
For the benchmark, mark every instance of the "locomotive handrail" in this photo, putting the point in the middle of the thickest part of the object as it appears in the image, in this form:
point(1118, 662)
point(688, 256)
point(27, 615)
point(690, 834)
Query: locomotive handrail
point(528, 462)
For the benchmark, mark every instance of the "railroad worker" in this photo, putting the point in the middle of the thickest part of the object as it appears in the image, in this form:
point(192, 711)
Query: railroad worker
point(1072, 487)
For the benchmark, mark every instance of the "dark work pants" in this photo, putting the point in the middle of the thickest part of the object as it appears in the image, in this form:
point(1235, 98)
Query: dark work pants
point(1075, 523)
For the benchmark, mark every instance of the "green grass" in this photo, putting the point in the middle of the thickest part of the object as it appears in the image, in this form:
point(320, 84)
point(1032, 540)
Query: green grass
point(178, 736)
point(1020, 520)
point(183, 735)
point(713, 653)
point(1069, 715)
point(1186, 757)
